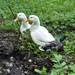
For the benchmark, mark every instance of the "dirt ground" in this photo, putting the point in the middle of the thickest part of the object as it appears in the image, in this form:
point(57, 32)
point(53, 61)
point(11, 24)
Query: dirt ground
point(13, 62)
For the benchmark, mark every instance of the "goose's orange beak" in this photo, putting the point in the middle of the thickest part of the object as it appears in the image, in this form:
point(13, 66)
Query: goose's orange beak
point(30, 22)
point(16, 19)
point(27, 20)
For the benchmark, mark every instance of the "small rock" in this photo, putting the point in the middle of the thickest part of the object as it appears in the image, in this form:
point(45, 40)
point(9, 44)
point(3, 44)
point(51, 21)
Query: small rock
point(30, 60)
point(10, 64)
point(12, 58)
point(8, 70)
point(25, 72)
point(0, 72)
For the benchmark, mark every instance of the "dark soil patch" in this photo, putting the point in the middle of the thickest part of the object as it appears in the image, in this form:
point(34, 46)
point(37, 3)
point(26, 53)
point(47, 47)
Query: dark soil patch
point(9, 40)
point(13, 62)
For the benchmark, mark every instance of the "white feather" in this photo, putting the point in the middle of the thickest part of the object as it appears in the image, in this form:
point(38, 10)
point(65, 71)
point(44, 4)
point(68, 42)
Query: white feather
point(39, 34)
point(24, 27)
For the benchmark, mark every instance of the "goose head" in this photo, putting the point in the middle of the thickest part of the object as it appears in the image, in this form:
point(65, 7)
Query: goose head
point(34, 20)
point(21, 17)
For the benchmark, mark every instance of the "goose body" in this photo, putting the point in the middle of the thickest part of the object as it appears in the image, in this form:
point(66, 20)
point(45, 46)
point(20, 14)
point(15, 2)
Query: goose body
point(41, 36)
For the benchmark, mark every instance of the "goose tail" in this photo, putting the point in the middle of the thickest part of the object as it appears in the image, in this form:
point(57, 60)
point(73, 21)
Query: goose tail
point(55, 45)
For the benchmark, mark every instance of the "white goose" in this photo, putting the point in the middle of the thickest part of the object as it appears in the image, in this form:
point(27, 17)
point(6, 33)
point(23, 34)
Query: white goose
point(24, 24)
point(40, 34)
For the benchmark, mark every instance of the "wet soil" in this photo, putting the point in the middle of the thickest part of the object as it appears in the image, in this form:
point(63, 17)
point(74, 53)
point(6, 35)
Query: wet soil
point(9, 41)
point(14, 62)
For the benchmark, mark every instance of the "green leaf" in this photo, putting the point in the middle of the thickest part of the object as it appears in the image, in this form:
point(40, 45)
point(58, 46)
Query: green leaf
point(44, 71)
point(72, 73)
point(57, 57)
point(41, 72)
point(63, 64)
point(72, 67)
point(53, 72)
point(62, 73)
point(38, 71)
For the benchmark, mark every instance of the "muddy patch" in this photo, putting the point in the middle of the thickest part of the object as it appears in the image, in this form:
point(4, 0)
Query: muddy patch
point(9, 40)
point(13, 62)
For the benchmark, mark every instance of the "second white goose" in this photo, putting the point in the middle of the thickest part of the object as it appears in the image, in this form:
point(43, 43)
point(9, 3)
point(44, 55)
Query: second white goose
point(24, 24)
point(41, 36)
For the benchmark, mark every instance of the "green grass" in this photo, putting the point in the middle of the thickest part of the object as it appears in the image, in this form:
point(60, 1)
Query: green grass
point(48, 10)
point(56, 15)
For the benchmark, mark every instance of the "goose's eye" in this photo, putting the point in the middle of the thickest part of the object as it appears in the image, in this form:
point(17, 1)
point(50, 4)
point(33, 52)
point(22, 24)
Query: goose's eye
point(19, 15)
point(31, 17)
